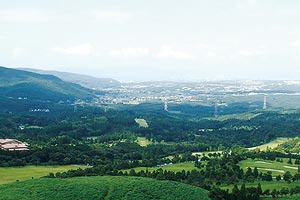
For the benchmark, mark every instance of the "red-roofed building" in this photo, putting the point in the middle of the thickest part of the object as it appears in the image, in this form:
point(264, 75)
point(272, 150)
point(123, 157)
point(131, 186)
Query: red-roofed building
point(12, 145)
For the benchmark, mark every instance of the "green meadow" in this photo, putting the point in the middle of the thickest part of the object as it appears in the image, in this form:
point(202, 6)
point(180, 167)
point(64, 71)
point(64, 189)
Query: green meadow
point(13, 174)
point(141, 122)
point(271, 145)
point(177, 167)
point(277, 168)
point(142, 141)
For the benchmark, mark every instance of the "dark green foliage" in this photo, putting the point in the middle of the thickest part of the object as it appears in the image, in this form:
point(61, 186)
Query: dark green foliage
point(287, 176)
point(19, 88)
point(126, 188)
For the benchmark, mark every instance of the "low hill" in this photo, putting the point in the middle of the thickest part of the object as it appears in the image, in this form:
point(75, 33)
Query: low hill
point(104, 187)
point(83, 80)
point(17, 84)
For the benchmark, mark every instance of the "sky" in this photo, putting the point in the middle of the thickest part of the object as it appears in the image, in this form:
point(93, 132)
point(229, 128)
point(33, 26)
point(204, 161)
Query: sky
point(138, 40)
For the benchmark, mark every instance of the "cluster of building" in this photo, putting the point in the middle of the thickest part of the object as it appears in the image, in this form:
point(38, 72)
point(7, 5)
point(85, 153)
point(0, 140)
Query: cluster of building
point(12, 145)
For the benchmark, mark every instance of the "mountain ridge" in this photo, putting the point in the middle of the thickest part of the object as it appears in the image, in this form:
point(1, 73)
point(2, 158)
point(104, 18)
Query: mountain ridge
point(15, 83)
point(81, 79)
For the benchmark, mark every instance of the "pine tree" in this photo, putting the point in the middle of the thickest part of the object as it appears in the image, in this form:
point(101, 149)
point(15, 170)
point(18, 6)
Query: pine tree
point(259, 190)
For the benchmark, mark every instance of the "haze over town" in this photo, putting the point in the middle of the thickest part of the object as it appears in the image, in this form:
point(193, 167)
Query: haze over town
point(154, 40)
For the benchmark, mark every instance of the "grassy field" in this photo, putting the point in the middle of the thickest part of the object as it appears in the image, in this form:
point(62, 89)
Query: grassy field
point(277, 168)
point(142, 141)
point(270, 185)
point(177, 167)
point(104, 187)
point(266, 185)
point(242, 116)
point(141, 122)
point(271, 144)
point(11, 174)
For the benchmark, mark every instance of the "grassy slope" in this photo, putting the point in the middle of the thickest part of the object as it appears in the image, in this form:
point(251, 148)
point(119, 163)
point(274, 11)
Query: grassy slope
point(141, 122)
point(100, 188)
point(142, 141)
point(177, 167)
point(242, 116)
point(11, 174)
point(271, 144)
point(277, 168)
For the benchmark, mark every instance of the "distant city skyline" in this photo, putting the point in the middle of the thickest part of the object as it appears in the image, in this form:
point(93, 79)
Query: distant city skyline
point(138, 40)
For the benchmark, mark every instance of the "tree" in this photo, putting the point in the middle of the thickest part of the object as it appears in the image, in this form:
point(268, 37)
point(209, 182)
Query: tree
point(266, 192)
point(273, 193)
point(284, 191)
point(255, 172)
point(278, 178)
point(249, 172)
point(287, 176)
point(259, 190)
point(296, 177)
point(235, 191)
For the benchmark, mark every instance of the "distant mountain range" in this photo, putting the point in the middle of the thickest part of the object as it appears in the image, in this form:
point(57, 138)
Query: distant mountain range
point(83, 80)
point(16, 84)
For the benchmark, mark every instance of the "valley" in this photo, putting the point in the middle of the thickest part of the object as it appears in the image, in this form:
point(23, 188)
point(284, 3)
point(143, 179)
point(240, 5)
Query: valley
point(212, 135)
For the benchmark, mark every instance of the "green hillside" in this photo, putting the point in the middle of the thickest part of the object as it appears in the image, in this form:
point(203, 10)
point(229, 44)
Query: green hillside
point(105, 187)
point(83, 80)
point(22, 84)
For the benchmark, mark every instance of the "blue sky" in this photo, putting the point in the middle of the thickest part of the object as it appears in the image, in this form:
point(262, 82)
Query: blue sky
point(154, 40)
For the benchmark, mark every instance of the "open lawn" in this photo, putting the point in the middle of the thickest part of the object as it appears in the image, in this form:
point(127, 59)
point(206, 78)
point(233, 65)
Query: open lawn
point(277, 168)
point(11, 174)
point(278, 185)
point(266, 185)
point(177, 167)
point(142, 141)
point(271, 144)
point(141, 122)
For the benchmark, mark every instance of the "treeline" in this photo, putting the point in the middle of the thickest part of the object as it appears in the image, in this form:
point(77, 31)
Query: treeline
point(217, 169)
point(90, 122)
point(64, 150)
point(251, 193)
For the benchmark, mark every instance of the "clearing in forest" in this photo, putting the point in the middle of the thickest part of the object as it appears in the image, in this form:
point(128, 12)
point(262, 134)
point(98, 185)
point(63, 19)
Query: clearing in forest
point(142, 141)
point(271, 144)
point(277, 168)
point(141, 122)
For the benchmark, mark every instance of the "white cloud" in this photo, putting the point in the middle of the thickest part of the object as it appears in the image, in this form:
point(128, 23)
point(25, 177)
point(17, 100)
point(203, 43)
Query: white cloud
point(169, 52)
point(246, 3)
point(111, 16)
point(23, 16)
point(296, 43)
point(16, 52)
point(84, 49)
point(2, 37)
point(129, 52)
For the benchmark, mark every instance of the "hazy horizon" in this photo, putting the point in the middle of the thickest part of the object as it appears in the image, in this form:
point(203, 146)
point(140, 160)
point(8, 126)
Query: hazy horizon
point(154, 40)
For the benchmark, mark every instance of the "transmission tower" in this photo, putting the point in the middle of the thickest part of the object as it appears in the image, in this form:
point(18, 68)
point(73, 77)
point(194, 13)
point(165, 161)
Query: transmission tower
point(75, 107)
point(265, 103)
point(216, 110)
point(166, 106)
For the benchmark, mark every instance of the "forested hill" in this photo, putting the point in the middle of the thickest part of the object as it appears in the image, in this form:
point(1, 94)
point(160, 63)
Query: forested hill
point(83, 80)
point(16, 84)
point(104, 187)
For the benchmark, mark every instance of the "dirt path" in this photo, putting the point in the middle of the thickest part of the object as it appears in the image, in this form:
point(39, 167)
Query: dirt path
point(289, 167)
point(274, 170)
